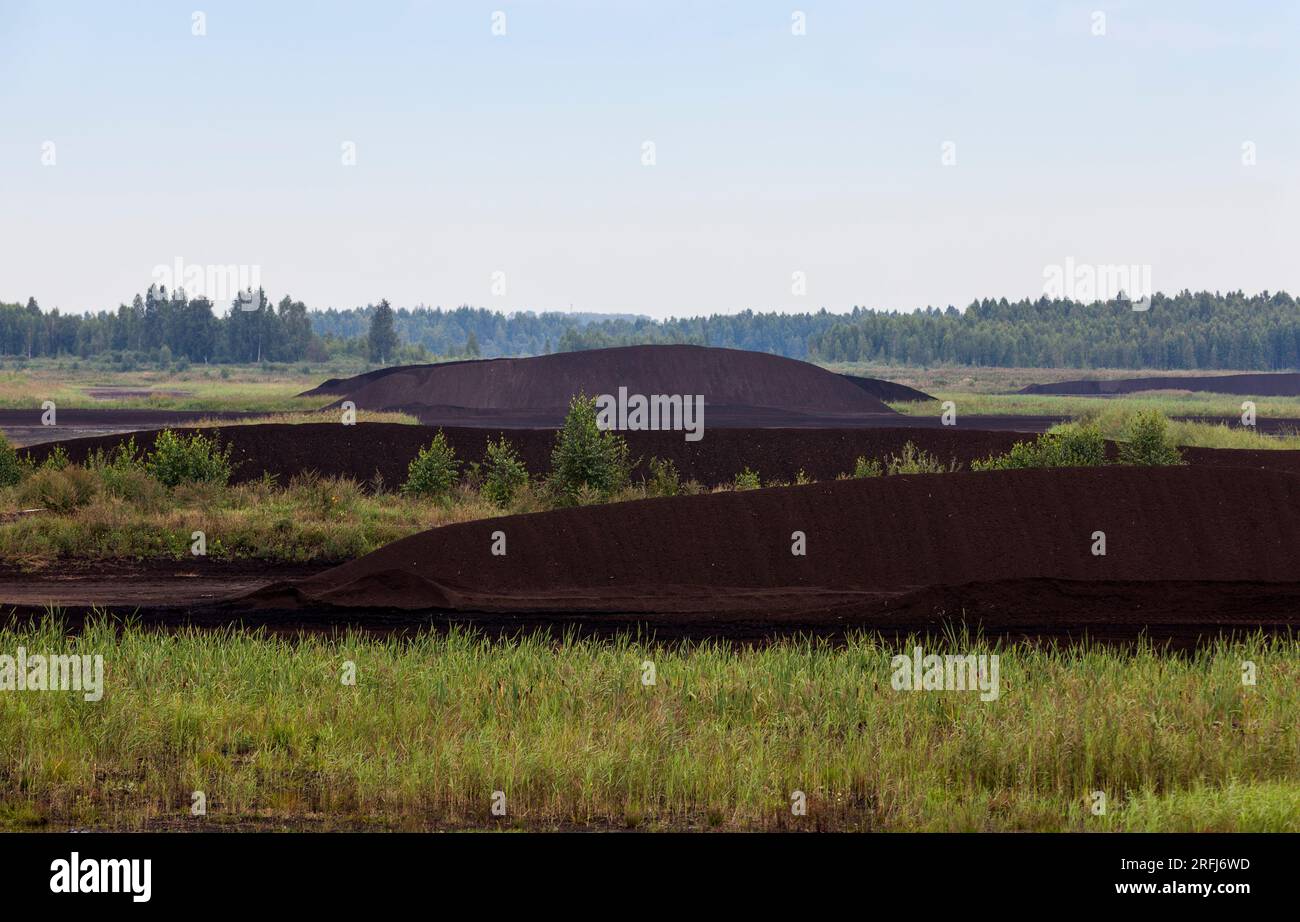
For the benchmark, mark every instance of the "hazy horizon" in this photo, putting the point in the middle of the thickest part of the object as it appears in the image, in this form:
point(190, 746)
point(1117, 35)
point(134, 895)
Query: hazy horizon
point(807, 155)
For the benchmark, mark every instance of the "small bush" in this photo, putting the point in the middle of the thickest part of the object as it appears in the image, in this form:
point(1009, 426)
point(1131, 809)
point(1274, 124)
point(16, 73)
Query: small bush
point(60, 490)
point(586, 456)
point(122, 475)
point(177, 459)
point(56, 460)
point(124, 456)
point(504, 475)
point(748, 480)
point(801, 478)
point(1146, 441)
point(1070, 446)
point(867, 468)
point(664, 479)
point(433, 472)
point(11, 469)
point(323, 497)
point(913, 460)
point(135, 486)
point(122, 471)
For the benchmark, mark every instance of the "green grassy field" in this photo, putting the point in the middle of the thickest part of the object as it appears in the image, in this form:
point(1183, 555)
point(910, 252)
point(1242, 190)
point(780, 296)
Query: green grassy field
point(1113, 415)
point(274, 737)
point(308, 518)
point(992, 379)
point(1196, 404)
point(252, 388)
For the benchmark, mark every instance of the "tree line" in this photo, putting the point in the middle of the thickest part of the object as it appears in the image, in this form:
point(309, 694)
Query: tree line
point(1184, 331)
point(184, 327)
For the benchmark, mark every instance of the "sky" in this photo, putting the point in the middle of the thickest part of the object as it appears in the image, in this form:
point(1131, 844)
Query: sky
point(805, 155)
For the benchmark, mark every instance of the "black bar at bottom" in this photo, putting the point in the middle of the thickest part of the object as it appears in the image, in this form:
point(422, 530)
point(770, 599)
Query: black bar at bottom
point(332, 871)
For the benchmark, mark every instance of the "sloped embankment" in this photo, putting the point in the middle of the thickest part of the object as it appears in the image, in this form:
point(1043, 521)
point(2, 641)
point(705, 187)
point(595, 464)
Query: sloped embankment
point(868, 542)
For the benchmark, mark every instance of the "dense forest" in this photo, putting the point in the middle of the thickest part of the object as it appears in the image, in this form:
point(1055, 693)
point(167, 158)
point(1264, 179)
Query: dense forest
point(1201, 330)
point(445, 332)
point(159, 326)
point(1188, 330)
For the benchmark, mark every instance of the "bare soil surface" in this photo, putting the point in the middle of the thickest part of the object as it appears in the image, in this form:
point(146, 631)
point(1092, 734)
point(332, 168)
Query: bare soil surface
point(129, 393)
point(740, 383)
point(24, 427)
point(361, 451)
point(125, 584)
point(1191, 553)
point(732, 551)
point(888, 391)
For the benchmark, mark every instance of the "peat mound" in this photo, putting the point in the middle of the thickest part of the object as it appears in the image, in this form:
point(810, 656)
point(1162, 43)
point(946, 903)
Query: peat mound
point(365, 450)
point(361, 451)
point(543, 385)
point(888, 391)
point(1282, 384)
point(866, 541)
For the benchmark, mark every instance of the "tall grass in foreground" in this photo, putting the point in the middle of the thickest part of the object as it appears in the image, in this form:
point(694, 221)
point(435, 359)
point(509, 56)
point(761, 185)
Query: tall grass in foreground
point(568, 731)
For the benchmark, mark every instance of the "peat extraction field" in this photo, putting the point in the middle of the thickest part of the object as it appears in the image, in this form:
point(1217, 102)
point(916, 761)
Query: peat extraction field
point(647, 555)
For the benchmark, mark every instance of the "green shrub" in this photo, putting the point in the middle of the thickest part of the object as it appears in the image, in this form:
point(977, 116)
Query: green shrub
point(1146, 441)
point(504, 474)
point(867, 468)
point(748, 480)
point(137, 487)
point(123, 456)
point(59, 490)
point(664, 479)
point(324, 497)
point(56, 460)
point(11, 469)
point(433, 472)
point(586, 456)
point(176, 459)
point(1074, 445)
point(802, 478)
point(123, 474)
point(913, 460)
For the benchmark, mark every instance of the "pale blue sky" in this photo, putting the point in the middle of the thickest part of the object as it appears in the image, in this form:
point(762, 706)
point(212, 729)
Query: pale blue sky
point(522, 153)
